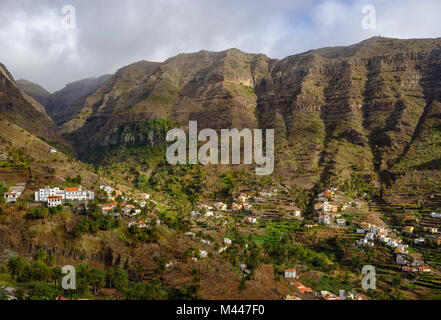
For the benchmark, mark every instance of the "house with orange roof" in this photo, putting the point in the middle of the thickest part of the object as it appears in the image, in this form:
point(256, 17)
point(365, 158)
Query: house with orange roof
point(107, 208)
point(301, 288)
point(54, 201)
point(290, 273)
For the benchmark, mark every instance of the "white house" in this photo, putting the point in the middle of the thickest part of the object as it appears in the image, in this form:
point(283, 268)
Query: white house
point(227, 240)
point(107, 208)
point(43, 194)
point(78, 194)
point(145, 196)
point(209, 214)
point(341, 222)
point(325, 220)
point(195, 214)
point(203, 254)
point(290, 273)
point(11, 196)
point(435, 215)
point(54, 201)
point(53, 151)
point(220, 206)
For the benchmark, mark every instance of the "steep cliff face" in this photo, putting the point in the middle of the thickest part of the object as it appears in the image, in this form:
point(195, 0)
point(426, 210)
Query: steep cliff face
point(64, 104)
point(19, 108)
point(340, 114)
point(216, 89)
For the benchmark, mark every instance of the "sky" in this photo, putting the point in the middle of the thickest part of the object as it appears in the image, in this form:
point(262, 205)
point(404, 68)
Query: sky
point(41, 42)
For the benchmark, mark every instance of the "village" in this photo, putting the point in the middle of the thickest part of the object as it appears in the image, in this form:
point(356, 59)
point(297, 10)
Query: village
point(249, 211)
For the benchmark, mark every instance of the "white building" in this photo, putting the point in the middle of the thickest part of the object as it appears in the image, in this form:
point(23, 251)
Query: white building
point(69, 194)
point(145, 196)
point(54, 201)
point(78, 194)
point(220, 206)
point(227, 240)
point(435, 215)
point(43, 194)
point(290, 273)
point(11, 196)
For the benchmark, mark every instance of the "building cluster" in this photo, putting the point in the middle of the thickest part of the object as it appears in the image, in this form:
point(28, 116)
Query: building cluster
point(327, 210)
point(56, 196)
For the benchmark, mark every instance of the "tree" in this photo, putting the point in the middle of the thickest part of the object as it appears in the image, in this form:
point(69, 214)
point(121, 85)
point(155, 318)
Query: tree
point(118, 279)
point(16, 266)
point(161, 265)
point(97, 280)
point(56, 274)
point(40, 271)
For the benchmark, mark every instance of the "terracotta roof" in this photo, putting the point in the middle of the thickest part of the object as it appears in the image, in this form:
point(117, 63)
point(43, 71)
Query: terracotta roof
point(72, 189)
point(54, 197)
point(290, 270)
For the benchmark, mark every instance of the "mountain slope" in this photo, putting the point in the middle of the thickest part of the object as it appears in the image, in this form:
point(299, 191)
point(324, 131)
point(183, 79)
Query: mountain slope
point(19, 108)
point(34, 90)
point(343, 116)
point(64, 104)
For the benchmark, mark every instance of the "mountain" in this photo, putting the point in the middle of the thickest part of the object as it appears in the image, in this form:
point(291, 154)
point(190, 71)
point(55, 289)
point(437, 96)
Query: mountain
point(346, 116)
point(24, 111)
point(34, 90)
point(66, 103)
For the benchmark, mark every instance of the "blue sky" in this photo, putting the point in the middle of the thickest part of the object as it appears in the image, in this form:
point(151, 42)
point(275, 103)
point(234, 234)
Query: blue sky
point(112, 33)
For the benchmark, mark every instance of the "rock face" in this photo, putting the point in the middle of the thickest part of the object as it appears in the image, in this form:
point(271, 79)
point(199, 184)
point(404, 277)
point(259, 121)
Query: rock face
point(63, 105)
point(21, 109)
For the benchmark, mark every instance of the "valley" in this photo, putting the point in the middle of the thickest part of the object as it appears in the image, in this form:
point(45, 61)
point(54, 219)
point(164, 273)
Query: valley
point(356, 178)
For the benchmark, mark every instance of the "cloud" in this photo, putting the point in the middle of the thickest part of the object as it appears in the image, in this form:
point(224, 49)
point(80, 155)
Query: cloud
point(114, 33)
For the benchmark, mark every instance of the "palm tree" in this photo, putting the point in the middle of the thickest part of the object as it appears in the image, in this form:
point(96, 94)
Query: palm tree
point(56, 274)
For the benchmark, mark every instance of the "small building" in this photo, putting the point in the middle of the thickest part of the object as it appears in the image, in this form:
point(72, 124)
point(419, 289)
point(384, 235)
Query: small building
point(11, 196)
point(108, 207)
point(400, 260)
point(301, 288)
point(145, 196)
point(290, 273)
point(242, 198)
point(341, 222)
point(236, 207)
point(249, 220)
point(139, 223)
point(318, 206)
point(227, 241)
point(220, 206)
point(54, 201)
